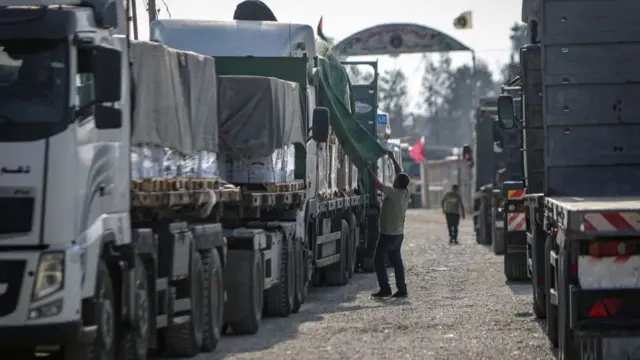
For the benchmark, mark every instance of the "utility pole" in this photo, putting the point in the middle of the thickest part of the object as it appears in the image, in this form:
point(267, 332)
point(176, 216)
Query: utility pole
point(153, 11)
point(134, 17)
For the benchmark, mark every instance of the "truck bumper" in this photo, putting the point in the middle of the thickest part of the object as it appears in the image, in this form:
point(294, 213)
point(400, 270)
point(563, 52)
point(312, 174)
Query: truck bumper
point(45, 334)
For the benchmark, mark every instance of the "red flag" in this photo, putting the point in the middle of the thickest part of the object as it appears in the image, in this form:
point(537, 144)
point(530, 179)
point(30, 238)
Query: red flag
point(417, 151)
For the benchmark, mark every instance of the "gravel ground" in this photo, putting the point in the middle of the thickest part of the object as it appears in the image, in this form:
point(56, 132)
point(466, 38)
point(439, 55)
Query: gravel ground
point(459, 308)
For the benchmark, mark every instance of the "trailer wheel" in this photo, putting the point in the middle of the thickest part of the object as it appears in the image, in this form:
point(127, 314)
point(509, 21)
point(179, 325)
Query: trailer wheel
point(515, 267)
point(254, 288)
point(185, 339)
point(352, 244)
point(104, 345)
point(552, 310)
point(280, 296)
point(299, 272)
point(135, 344)
point(498, 243)
point(567, 349)
point(538, 293)
point(338, 274)
point(213, 300)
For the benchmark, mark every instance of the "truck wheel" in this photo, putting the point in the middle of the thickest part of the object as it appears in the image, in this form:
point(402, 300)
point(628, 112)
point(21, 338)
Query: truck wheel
point(538, 293)
point(515, 267)
point(254, 288)
point(552, 310)
point(299, 272)
point(280, 296)
point(353, 245)
point(103, 347)
point(498, 244)
point(567, 349)
point(213, 300)
point(185, 339)
point(136, 343)
point(539, 308)
point(338, 274)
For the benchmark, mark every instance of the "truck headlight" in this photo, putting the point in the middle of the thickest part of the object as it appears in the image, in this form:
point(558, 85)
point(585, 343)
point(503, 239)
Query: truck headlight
point(50, 275)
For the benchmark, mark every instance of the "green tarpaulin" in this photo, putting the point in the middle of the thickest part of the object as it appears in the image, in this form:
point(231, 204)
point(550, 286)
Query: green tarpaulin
point(336, 95)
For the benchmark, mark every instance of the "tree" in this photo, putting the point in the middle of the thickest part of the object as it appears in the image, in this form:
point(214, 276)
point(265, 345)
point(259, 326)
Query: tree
point(435, 83)
point(519, 37)
point(393, 99)
point(465, 87)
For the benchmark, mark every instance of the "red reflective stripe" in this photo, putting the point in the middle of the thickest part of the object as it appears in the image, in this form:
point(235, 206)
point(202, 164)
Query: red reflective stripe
point(588, 226)
point(617, 221)
point(621, 259)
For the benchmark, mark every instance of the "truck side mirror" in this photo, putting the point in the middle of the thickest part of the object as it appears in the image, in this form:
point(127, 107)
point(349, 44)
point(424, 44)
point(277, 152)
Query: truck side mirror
point(107, 74)
point(320, 126)
point(105, 65)
point(107, 117)
point(506, 112)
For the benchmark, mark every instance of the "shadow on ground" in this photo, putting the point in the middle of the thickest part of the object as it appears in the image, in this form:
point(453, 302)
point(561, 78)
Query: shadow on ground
point(321, 301)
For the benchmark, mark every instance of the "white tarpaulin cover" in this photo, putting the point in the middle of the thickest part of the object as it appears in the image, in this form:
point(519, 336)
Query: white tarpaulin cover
point(176, 99)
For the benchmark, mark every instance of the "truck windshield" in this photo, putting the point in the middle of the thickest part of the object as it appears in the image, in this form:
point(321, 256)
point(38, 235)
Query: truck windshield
point(33, 81)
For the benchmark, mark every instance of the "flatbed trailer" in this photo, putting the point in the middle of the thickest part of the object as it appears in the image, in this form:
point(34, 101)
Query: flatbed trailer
point(590, 262)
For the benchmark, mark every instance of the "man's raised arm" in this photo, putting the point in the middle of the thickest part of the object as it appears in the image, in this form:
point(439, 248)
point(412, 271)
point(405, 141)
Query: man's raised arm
point(396, 166)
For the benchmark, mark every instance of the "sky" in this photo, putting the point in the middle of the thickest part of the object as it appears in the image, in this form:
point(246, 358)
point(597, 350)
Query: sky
point(489, 36)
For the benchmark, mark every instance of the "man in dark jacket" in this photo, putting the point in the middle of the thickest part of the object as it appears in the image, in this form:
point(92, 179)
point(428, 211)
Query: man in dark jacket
point(453, 209)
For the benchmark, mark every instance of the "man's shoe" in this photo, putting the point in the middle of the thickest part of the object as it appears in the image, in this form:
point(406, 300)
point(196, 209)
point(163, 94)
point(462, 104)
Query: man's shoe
point(381, 294)
point(400, 294)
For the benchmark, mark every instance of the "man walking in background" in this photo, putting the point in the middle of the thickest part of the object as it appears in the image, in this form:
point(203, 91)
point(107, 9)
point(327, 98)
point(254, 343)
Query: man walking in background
point(453, 208)
point(392, 214)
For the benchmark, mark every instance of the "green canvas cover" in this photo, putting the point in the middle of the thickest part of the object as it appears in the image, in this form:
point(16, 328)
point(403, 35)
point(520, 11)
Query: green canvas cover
point(335, 91)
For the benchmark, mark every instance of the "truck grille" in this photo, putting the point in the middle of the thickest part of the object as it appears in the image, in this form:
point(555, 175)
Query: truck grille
point(16, 215)
point(11, 274)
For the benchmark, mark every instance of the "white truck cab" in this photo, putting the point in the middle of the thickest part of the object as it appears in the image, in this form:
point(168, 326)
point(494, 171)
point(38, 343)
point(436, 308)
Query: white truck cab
point(63, 163)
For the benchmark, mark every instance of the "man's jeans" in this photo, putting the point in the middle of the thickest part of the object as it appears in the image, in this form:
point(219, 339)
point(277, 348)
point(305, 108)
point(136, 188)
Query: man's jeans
point(389, 244)
point(453, 220)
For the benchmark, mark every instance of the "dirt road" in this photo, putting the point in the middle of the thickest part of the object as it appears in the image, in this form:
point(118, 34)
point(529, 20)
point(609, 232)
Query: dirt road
point(459, 308)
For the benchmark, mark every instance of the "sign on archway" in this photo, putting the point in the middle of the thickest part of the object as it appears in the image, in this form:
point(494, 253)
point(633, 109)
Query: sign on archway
point(395, 39)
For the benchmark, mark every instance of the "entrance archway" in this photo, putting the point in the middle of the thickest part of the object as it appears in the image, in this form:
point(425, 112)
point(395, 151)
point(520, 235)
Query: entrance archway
point(402, 38)
point(396, 39)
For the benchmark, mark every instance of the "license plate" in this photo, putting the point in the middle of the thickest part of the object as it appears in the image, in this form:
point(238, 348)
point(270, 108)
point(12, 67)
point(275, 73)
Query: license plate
point(500, 225)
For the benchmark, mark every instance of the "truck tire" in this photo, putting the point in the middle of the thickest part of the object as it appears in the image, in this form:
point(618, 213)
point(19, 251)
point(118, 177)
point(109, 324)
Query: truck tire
point(135, 344)
point(552, 310)
point(213, 300)
point(254, 290)
point(338, 274)
point(567, 349)
point(354, 233)
point(280, 296)
point(515, 267)
point(538, 293)
point(185, 339)
point(104, 345)
point(498, 243)
point(299, 272)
